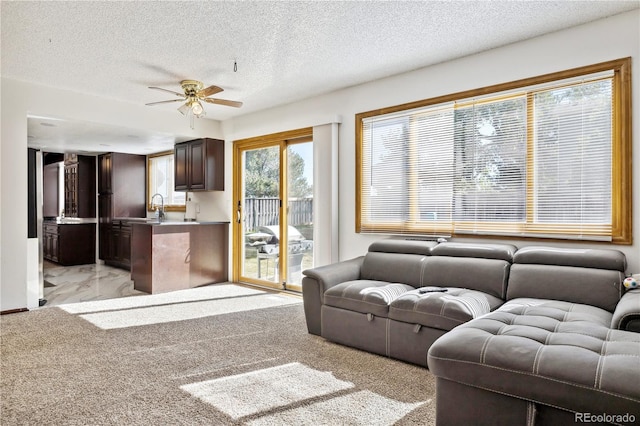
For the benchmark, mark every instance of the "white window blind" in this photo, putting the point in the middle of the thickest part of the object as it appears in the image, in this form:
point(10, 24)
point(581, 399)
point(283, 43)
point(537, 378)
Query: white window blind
point(572, 157)
point(536, 161)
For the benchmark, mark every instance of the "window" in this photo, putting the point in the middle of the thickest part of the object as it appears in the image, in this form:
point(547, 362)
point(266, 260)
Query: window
point(545, 157)
point(160, 180)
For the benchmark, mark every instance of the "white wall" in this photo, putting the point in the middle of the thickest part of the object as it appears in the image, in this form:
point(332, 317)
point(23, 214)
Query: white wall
point(13, 222)
point(599, 41)
point(20, 99)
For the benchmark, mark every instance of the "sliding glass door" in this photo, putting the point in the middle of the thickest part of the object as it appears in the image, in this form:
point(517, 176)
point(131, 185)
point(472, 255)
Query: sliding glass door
point(259, 212)
point(273, 195)
point(299, 211)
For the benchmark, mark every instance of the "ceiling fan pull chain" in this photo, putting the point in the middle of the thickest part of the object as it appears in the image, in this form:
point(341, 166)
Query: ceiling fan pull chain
point(235, 66)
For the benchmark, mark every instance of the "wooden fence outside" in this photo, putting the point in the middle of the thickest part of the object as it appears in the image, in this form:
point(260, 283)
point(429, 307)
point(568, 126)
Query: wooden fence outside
point(265, 212)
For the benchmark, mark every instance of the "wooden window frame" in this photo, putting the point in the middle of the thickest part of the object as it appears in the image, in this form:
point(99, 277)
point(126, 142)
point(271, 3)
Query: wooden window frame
point(621, 167)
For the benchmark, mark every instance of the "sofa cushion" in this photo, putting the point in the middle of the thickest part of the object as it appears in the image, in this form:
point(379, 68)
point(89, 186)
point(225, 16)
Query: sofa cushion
point(396, 261)
point(403, 246)
point(483, 251)
point(556, 315)
point(393, 267)
point(441, 310)
point(365, 296)
point(486, 275)
point(585, 258)
point(554, 353)
point(584, 276)
point(596, 287)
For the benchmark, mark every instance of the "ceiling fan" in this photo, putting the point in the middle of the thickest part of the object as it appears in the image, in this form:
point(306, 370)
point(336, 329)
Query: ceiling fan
point(194, 94)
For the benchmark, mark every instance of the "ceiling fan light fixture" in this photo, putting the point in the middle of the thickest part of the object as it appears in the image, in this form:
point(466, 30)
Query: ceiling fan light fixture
point(184, 109)
point(196, 108)
point(194, 93)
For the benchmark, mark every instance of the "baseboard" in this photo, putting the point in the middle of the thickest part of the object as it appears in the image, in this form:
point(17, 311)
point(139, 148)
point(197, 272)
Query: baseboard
point(13, 311)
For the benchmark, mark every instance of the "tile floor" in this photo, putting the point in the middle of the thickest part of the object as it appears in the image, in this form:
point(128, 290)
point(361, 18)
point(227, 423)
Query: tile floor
point(83, 283)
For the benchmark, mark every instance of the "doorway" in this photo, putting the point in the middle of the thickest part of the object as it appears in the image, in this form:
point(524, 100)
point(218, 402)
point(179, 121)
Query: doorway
point(273, 197)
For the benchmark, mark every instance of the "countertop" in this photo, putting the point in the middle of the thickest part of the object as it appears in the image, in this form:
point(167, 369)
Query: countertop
point(133, 219)
point(153, 222)
point(70, 221)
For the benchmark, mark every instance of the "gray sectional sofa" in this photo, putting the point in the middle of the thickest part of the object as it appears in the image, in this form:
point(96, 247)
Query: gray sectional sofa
point(536, 335)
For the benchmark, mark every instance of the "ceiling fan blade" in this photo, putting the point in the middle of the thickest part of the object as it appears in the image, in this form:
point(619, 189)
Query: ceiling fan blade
point(223, 102)
point(169, 91)
point(164, 102)
point(208, 91)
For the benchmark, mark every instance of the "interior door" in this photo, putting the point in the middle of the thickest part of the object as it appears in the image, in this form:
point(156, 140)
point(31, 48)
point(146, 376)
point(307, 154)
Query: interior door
point(273, 229)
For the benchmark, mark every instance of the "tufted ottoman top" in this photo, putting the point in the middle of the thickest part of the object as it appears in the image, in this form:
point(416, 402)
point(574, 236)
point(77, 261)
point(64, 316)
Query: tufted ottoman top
point(556, 353)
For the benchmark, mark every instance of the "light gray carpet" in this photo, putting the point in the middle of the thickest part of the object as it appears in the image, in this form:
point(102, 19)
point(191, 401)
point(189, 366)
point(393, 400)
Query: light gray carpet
point(222, 366)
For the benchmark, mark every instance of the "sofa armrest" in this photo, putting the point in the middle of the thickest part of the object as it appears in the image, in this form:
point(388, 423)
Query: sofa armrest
point(627, 313)
point(318, 280)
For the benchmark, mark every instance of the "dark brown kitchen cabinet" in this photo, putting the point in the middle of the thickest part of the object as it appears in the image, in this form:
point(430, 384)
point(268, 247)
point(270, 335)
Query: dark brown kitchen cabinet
point(69, 244)
point(104, 174)
point(80, 186)
point(123, 176)
point(122, 195)
point(199, 165)
point(51, 190)
point(116, 250)
point(70, 190)
point(50, 242)
point(175, 257)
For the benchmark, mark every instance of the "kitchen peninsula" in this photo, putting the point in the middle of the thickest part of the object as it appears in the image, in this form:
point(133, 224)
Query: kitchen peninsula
point(170, 256)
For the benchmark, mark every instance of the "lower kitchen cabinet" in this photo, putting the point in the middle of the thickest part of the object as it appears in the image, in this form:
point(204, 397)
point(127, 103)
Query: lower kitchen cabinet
point(50, 242)
point(69, 244)
point(115, 244)
point(168, 257)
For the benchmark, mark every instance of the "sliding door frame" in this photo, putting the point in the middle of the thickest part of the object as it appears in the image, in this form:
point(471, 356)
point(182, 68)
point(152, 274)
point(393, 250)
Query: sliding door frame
point(282, 140)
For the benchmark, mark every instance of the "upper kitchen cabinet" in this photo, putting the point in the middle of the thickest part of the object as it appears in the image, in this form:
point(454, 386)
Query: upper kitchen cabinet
point(50, 190)
point(79, 186)
point(199, 165)
point(104, 174)
point(122, 188)
point(122, 178)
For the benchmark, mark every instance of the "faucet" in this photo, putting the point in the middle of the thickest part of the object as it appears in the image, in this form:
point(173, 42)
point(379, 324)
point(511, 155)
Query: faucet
point(159, 213)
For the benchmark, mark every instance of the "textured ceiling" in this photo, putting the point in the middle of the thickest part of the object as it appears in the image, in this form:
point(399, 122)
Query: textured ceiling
point(285, 50)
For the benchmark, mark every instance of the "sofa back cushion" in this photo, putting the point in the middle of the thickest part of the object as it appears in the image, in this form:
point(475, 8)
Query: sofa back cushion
point(396, 261)
point(482, 267)
point(475, 250)
point(474, 266)
point(587, 276)
point(419, 247)
point(487, 275)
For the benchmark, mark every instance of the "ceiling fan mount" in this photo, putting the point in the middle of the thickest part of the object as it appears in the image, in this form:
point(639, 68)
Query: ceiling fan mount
point(194, 93)
point(191, 87)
